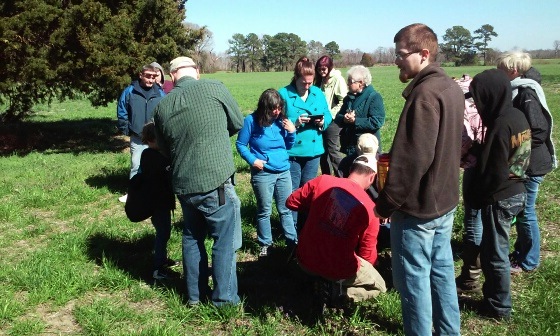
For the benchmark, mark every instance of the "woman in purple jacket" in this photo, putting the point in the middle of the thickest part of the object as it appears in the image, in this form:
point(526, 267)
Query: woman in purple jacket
point(263, 142)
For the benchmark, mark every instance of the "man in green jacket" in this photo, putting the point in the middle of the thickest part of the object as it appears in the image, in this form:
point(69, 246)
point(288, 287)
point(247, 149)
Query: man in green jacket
point(194, 123)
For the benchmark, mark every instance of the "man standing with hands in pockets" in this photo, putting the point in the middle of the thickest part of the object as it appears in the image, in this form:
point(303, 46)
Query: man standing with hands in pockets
point(422, 190)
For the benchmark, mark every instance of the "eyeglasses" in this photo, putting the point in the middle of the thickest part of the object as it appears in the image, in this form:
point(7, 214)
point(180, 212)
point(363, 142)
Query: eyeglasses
point(352, 81)
point(149, 76)
point(401, 56)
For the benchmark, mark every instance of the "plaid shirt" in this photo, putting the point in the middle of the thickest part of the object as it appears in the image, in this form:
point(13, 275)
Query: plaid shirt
point(194, 123)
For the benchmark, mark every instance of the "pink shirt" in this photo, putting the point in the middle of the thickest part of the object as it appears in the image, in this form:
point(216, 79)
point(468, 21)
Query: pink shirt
point(472, 126)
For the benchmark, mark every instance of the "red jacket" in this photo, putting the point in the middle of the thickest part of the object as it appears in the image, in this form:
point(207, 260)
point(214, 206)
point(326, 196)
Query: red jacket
point(340, 226)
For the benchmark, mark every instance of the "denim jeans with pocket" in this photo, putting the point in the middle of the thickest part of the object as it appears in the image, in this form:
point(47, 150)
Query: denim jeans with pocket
point(136, 149)
point(302, 170)
point(424, 274)
point(267, 185)
point(204, 216)
point(527, 251)
point(494, 254)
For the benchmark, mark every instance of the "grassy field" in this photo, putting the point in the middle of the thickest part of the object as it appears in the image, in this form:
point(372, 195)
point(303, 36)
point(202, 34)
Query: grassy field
point(72, 264)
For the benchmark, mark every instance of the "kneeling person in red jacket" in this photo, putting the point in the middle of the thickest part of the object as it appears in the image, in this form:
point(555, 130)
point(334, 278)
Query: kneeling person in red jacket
point(339, 238)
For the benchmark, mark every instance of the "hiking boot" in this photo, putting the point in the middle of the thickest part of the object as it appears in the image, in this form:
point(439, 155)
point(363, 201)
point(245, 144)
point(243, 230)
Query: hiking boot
point(467, 282)
point(488, 313)
point(165, 273)
point(467, 286)
point(172, 263)
point(321, 296)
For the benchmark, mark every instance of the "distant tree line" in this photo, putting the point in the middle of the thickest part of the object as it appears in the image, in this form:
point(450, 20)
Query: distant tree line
point(247, 53)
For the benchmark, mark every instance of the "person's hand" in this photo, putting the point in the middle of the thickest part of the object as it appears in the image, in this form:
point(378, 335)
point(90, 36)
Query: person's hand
point(288, 125)
point(350, 117)
point(259, 164)
point(320, 122)
point(381, 219)
point(302, 119)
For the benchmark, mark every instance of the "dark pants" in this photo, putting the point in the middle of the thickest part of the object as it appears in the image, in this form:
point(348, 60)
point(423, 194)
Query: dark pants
point(332, 155)
point(161, 220)
point(494, 255)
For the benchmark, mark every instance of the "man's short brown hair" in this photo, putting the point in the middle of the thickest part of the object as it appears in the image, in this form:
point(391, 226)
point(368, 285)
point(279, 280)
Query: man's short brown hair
point(418, 36)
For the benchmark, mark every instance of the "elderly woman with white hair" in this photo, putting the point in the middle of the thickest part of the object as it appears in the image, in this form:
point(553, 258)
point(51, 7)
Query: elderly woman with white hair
point(362, 110)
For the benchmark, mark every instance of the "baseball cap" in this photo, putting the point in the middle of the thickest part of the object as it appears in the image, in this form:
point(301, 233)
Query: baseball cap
point(181, 62)
point(368, 160)
point(367, 143)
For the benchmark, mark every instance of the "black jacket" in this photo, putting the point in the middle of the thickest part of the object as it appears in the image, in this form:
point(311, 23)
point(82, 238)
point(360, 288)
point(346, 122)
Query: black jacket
point(156, 172)
point(540, 121)
point(506, 148)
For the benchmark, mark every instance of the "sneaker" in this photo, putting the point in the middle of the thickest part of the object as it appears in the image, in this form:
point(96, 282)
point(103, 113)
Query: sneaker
point(264, 251)
point(165, 273)
point(123, 198)
point(515, 269)
point(172, 263)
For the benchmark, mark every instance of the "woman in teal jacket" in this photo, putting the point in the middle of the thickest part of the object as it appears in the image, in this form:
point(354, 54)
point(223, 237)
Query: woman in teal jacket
point(306, 106)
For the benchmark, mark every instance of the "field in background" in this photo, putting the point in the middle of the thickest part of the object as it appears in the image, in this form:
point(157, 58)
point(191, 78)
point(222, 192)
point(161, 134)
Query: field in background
point(73, 264)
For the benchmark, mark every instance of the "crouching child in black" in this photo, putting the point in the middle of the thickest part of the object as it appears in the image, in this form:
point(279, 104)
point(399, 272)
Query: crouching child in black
point(155, 170)
point(498, 189)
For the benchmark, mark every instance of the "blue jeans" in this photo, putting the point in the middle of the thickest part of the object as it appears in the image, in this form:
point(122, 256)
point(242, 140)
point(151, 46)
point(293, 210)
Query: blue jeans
point(302, 170)
point(265, 185)
point(472, 223)
point(527, 251)
point(494, 255)
point(161, 220)
point(203, 215)
point(136, 149)
point(424, 275)
point(472, 220)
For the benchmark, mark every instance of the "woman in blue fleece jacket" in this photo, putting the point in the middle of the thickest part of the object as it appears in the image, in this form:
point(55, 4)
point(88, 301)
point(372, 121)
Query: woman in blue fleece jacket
point(263, 142)
point(302, 100)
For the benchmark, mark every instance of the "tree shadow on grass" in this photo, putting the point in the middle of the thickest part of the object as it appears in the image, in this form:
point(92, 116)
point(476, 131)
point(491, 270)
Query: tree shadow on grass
point(277, 282)
point(116, 180)
point(274, 282)
point(133, 256)
point(92, 135)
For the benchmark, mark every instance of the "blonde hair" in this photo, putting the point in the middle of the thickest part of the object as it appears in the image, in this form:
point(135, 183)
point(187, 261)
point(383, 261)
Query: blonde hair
point(511, 60)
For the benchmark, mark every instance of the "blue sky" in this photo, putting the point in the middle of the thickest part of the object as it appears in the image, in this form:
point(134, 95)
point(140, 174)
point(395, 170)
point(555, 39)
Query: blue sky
point(368, 24)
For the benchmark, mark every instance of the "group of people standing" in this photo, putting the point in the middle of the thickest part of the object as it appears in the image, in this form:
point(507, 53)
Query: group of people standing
point(317, 121)
point(511, 187)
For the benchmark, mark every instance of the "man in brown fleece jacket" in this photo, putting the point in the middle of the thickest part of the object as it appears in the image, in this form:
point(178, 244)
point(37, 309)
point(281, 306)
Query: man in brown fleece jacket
point(422, 188)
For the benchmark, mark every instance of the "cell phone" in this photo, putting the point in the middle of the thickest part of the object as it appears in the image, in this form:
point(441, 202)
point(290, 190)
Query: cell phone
point(315, 117)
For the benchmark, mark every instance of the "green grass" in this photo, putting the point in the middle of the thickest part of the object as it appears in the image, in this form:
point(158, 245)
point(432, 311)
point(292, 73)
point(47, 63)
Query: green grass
point(73, 264)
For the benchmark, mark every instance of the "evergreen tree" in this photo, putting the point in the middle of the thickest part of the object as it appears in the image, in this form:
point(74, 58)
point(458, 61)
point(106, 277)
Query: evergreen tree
point(484, 34)
point(62, 49)
point(367, 60)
